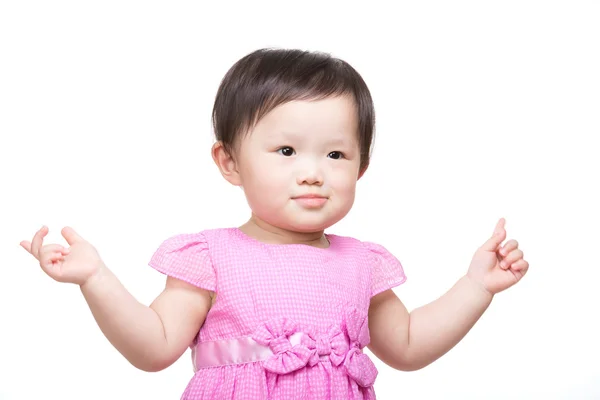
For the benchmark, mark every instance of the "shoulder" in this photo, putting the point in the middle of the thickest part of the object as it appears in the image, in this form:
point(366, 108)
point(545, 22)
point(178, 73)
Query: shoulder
point(189, 257)
point(385, 269)
point(197, 240)
point(371, 248)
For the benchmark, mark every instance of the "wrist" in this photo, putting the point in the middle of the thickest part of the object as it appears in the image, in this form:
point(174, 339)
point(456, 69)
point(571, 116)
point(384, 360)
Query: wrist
point(97, 276)
point(478, 287)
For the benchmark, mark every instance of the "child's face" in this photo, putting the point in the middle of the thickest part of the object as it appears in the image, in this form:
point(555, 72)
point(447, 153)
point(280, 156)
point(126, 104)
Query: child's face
point(302, 148)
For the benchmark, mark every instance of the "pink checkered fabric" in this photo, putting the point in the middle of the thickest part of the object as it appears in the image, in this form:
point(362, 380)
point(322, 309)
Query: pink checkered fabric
point(269, 292)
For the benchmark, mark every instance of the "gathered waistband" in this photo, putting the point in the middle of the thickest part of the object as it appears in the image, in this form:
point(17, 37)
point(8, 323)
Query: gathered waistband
point(283, 346)
point(241, 350)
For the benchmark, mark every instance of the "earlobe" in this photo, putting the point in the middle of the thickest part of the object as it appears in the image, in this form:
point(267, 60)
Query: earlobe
point(226, 164)
point(362, 172)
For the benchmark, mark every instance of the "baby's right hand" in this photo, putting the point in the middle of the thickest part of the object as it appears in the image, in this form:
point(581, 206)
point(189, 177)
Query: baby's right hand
point(75, 264)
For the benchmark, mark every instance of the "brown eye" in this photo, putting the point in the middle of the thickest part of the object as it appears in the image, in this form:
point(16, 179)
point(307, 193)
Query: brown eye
point(286, 151)
point(336, 155)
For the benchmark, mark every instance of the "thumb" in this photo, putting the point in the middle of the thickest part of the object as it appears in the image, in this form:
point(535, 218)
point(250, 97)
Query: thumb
point(71, 236)
point(497, 237)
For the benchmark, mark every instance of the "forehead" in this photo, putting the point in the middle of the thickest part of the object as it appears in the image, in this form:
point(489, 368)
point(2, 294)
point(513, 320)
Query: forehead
point(331, 118)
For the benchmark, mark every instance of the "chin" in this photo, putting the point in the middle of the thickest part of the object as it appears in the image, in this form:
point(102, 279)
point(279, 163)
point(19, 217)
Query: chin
point(308, 228)
point(300, 220)
point(315, 225)
point(301, 225)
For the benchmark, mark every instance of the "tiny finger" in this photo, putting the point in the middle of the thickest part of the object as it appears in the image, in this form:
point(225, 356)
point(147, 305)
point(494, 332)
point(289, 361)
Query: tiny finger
point(520, 265)
point(494, 242)
point(26, 245)
point(37, 241)
point(50, 253)
point(50, 259)
point(52, 248)
point(508, 247)
point(513, 257)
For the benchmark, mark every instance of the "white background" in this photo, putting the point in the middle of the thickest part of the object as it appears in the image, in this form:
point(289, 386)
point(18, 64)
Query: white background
point(485, 110)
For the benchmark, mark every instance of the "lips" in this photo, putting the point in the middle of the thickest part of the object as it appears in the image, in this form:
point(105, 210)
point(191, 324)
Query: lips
point(310, 200)
point(310, 196)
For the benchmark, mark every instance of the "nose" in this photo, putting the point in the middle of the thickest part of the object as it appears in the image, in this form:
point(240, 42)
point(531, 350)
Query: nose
point(311, 174)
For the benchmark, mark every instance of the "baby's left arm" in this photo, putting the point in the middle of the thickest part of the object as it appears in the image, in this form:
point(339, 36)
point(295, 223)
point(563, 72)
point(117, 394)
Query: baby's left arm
point(410, 341)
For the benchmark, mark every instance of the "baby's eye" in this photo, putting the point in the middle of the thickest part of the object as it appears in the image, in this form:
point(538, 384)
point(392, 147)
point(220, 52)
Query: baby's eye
point(336, 155)
point(286, 151)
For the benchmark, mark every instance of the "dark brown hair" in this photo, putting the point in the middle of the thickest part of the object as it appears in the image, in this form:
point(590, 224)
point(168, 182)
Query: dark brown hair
point(267, 78)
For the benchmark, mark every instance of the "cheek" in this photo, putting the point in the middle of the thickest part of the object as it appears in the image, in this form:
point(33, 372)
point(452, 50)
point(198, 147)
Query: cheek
point(265, 179)
point(344, 185)
point(348, 190)
point(344, 179)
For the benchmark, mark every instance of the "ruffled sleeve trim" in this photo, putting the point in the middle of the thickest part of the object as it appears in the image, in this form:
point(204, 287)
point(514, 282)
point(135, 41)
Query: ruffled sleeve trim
point(387, 271)
point(186, 257)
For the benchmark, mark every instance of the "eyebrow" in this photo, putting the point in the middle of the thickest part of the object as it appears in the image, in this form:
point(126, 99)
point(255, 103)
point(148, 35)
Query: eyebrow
point(287, 134)
point(340, 142)
point(290, 135)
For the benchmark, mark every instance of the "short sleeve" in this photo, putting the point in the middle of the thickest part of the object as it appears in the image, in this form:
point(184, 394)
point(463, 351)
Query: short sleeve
point(387, 271)
point(186, 257)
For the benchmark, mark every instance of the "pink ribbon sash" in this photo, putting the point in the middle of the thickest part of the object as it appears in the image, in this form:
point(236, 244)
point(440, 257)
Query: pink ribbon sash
point(285, 348)
point(233, 351)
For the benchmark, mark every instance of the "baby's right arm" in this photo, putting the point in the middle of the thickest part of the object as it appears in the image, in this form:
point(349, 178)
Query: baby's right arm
point(151, 338)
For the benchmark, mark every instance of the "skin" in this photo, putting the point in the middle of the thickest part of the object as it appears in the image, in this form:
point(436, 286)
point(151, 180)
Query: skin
point(299, 148)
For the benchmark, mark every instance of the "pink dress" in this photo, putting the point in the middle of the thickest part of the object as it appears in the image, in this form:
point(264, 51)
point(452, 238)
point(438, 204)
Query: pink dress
point(288, 322)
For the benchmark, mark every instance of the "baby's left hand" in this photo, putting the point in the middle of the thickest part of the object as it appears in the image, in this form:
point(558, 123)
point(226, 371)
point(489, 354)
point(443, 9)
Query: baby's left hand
point(497, 267)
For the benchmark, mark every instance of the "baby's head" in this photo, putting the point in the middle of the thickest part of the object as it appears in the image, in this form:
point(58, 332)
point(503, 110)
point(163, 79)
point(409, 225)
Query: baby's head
point(292, 124)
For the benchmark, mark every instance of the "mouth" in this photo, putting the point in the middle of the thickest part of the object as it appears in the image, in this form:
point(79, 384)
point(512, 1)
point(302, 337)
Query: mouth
point(311, 200)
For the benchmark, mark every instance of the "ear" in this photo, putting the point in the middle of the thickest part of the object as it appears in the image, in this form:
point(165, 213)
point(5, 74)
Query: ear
point(226, 164)
point(362, 172)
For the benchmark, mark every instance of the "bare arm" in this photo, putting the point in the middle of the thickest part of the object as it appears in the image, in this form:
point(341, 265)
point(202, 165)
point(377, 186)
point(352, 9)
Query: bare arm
point(150, 338)
point(412, 341)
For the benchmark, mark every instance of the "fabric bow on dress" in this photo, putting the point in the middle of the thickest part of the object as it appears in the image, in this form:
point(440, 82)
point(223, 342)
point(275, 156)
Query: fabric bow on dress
point(342, 346)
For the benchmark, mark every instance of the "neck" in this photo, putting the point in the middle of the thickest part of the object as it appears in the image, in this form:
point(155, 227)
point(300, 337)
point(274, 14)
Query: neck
point(267, 233)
